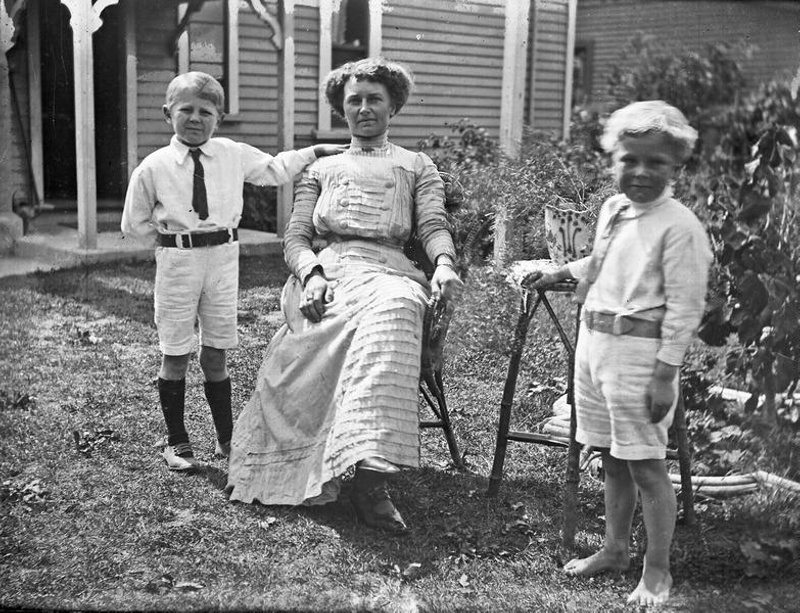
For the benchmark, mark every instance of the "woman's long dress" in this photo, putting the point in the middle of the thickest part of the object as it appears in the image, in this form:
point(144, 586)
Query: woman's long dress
point(329, 394)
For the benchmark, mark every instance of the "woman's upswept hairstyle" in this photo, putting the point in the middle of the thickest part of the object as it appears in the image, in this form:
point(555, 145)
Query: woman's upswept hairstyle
point(201, 84)
point(650, 116)
point(397, 79)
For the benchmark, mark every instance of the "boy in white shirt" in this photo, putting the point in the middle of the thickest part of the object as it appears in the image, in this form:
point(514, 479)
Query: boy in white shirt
point(186, 200)
point(643, 290)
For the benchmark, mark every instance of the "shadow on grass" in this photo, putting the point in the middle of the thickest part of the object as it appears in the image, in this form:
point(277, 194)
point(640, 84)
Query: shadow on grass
point(452, 521)
point(126, 288)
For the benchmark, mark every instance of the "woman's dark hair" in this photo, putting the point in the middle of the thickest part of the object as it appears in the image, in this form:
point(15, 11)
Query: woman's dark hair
point(397, 79)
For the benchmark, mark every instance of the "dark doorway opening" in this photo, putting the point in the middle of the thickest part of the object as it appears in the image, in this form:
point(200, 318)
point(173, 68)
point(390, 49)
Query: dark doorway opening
point(58, 105)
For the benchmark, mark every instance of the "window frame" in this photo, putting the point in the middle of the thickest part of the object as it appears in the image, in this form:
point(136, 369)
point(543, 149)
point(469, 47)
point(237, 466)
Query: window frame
point(324, 130)
point(231, 53)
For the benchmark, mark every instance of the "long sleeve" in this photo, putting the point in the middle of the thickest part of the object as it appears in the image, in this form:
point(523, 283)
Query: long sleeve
point(140, 199)
point(263, 169)
point(300, 231)
point(432, 226)
point(686, 259)
point(578, 268)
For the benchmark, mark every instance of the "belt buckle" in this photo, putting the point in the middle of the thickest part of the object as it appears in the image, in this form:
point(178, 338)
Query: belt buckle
point(230, 235)
point(179, 241)
point(621, 325)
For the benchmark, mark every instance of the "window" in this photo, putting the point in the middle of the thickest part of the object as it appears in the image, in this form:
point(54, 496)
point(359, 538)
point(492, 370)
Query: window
point(209, 42)
point(349, 39)
point(349, 30)
point(582, 74)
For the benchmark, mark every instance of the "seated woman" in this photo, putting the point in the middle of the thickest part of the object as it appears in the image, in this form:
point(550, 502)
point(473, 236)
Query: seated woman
point(338, 387)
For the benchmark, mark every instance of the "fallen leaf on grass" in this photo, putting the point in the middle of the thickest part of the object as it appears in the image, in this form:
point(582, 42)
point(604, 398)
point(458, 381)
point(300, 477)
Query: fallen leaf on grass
point(188, 586)
point(412, 571)
point(87, 443)
point(166, 582)
point(29, 494)
point(267, 522)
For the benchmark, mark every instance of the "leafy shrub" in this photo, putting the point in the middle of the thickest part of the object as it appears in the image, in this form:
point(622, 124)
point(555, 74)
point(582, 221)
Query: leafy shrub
point(696, 82)
point(260, 208)
point(500, 189)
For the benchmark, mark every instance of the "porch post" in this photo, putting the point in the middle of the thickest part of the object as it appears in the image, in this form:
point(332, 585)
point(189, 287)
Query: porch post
point(512, 98)
point(83, 59)
point(286, 76)
point(10, 224)
point(35, 99)
point(85, 21)
point(572, 15)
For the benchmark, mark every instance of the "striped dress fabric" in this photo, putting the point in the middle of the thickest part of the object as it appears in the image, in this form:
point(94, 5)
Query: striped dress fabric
point(329, 394)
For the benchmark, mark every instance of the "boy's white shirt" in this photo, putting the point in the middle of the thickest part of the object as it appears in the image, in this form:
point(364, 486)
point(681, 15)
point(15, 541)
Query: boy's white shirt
point(159, 196)
point(656, 268)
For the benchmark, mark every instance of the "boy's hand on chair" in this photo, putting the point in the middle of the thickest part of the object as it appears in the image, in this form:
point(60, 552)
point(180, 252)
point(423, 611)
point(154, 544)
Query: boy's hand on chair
point(323, 150)
point(660, 394)
point(539, 279)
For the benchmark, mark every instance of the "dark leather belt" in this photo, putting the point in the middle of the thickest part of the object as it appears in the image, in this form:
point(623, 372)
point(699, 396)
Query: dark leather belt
point(190, 240)
point(621, 324)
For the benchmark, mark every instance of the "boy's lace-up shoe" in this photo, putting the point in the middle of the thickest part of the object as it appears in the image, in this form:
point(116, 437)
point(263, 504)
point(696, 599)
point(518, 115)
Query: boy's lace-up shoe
point(222, 450)
point(180, 457)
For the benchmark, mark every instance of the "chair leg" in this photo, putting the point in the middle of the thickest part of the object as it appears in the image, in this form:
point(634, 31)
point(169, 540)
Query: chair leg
point(504, 423)
point(432, 388)
point(684, 460)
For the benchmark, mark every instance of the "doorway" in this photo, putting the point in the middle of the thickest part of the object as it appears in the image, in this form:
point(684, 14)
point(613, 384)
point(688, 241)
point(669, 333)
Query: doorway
point(58, 107)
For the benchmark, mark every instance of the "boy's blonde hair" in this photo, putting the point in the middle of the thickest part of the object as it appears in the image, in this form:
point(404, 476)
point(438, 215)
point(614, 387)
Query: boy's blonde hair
point(201, 84)
point(646, 117)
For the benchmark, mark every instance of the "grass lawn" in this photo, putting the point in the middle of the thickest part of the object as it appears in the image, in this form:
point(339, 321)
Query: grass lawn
point(90, 518)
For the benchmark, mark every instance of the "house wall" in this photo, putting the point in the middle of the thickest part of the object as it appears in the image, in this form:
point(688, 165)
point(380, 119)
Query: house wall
point(771, 26)
point(257, 120)
point(455, 50)
point(548, 39)
point(307, 77)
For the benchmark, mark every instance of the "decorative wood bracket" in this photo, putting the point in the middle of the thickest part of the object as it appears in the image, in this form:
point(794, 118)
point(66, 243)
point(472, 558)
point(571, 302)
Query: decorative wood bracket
point(97, 10)
point(95, 19)
point(260, 8)
point(8, 21)
point(192, 7)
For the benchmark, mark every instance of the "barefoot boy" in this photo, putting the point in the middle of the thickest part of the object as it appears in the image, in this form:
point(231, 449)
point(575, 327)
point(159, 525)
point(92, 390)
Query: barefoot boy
point(644, 289)
point(186, 199)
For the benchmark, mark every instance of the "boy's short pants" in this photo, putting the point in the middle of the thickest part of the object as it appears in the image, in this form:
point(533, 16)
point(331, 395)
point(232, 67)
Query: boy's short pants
point(196, 285)
point(611, 377)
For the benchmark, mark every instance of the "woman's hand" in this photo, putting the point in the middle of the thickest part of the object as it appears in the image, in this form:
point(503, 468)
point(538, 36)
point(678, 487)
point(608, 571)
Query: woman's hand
point(322, 150)
point(446, 283)
point(316, 294)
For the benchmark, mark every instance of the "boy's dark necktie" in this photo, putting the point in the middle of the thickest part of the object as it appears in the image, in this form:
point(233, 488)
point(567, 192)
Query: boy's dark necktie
point(199, 198)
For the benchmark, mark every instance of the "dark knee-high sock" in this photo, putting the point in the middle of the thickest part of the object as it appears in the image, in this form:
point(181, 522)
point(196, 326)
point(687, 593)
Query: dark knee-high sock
point(172, 395)
point(218, 394)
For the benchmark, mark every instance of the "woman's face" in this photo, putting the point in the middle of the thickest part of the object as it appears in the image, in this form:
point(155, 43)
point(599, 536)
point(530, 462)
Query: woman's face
point(368, 107)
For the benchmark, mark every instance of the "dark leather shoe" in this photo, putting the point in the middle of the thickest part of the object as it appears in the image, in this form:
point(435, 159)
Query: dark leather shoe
point(378, 465)
point(375, 508)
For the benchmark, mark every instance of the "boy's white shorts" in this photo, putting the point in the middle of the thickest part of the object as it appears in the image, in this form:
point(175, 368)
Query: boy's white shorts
point(611, 377)
point(200, 286)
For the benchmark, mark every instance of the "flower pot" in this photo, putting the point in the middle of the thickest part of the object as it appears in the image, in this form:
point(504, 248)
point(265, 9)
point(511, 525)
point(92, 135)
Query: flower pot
point(568, 233)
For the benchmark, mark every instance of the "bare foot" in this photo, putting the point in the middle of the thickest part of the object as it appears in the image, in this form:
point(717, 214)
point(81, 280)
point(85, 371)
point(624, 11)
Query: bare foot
point(602, 561)
point(653, 588)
